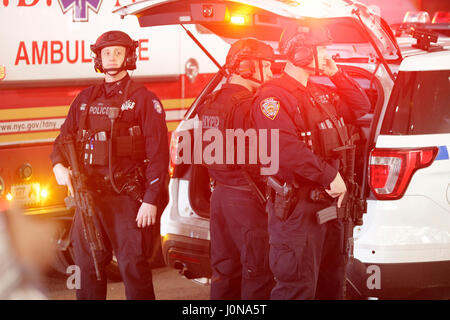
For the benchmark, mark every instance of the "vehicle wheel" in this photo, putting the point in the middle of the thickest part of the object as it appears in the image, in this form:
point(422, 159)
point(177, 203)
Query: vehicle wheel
point(62, 258)
point(61, 261)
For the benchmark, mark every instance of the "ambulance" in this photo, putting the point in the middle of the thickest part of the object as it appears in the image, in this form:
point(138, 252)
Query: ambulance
point(45, 61)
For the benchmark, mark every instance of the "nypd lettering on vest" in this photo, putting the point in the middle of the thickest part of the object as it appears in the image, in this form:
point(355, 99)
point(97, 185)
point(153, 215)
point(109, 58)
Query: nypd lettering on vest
point(210, 122)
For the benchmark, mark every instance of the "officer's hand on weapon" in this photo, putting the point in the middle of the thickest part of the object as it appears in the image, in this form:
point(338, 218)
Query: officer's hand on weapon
point(146, 215)
point(330, 68)
point(337, 189)
point(63, 176)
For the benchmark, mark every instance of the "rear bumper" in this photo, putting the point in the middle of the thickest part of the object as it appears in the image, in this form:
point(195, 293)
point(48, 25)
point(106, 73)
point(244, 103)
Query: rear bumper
point(413, 229)
point(423, 280)
point(50, 212)
point(191, 256)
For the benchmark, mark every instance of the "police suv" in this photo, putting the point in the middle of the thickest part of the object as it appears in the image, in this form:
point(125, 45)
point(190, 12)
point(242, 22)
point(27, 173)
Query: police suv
point(402, 250)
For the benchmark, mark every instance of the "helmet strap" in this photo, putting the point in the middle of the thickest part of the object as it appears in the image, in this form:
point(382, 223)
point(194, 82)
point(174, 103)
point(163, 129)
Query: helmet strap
point(316, 69)
point(122, 67)
point(261, 74)
point(316, 61)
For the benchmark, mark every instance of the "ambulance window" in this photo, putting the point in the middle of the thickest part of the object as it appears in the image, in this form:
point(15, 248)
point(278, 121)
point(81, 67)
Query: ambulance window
point(419, 104)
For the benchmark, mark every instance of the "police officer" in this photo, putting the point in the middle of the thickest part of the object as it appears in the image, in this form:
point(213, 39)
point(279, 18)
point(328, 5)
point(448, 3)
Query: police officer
point(239, 240)
point(129, 153)
point(306, 257)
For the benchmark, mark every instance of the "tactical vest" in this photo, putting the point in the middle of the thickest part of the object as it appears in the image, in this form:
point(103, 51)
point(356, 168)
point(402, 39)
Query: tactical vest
point(94, 132)
point(317, 108)
point(220, 116)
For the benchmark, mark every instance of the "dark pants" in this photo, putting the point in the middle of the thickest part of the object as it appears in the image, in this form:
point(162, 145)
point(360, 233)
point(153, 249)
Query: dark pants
point(239, 246)
point(115, 218)
point(306, 258)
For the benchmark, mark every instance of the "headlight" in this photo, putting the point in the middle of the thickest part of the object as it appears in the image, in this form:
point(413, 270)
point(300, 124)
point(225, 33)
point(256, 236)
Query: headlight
point(44, 194)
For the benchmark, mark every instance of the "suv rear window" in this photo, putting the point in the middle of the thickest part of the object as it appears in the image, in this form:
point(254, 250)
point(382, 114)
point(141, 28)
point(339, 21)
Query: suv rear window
point(419, 104)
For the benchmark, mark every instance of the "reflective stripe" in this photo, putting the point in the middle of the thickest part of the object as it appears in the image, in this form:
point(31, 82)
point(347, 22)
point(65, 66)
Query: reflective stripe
point(442, 154)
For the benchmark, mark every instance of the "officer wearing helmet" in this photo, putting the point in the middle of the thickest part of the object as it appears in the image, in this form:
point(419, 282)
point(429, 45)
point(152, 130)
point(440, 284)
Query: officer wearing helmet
point(239, 241)
point(122, 143)
point(306, 257)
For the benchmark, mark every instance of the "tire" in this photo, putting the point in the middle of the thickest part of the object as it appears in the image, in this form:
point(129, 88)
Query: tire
point(62, 258)
point(61, 261)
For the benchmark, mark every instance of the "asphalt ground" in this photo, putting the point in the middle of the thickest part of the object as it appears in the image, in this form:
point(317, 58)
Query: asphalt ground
point(168, 284)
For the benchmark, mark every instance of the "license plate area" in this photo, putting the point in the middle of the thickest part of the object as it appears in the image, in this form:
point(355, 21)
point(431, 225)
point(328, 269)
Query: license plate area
point(26, 194)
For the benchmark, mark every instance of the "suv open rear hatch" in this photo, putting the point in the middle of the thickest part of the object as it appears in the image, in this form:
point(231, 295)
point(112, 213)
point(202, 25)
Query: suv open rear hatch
point(357, 32)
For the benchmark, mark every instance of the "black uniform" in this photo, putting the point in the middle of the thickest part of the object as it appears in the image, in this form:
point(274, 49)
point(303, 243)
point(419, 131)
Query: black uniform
point(239, 240)
point(116, 214)
point(305, 257)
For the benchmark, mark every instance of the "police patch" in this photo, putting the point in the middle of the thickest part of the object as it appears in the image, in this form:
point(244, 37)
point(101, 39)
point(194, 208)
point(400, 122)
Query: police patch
point(270, 107)
point(157, 106)
point(128, 105)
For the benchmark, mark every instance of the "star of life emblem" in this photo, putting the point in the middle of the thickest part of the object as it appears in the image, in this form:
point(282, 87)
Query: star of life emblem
point(128, 105)
point(80, 8)
point(157, 106)
point(270, 107)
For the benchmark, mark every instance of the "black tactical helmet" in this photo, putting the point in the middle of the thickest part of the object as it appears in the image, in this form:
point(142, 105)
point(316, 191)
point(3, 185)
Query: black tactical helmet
point(299, 42)
point(242, 52)
point(115, 38)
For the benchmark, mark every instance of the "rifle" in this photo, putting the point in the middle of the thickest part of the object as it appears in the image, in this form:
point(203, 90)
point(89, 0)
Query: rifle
point(83, 200)
point(353, 206)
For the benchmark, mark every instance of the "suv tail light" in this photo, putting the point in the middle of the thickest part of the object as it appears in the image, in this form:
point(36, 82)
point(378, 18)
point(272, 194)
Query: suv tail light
point(391, 169)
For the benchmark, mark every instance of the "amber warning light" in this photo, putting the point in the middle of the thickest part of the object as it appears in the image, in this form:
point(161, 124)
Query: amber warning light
point(238, 20)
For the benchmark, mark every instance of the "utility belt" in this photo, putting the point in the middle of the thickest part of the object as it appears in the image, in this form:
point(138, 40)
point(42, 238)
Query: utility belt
point(285, 197)
point(130, 183)
point(96, 146)
point(240, 187)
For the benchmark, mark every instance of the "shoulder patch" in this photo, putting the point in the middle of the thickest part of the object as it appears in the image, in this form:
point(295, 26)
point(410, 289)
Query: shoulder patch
point(270, 107)
point(157, 106)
